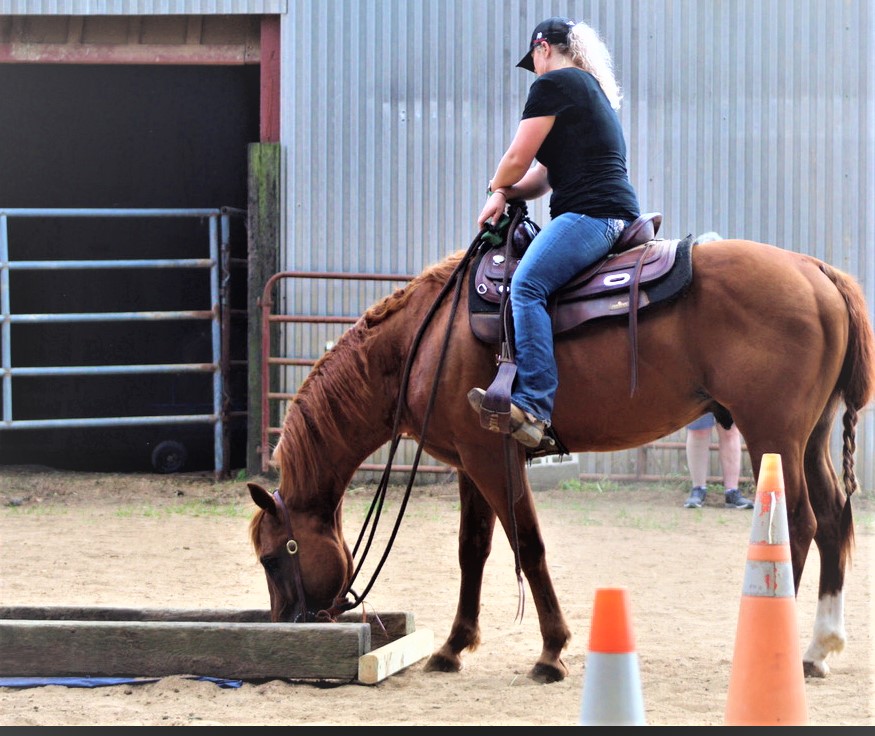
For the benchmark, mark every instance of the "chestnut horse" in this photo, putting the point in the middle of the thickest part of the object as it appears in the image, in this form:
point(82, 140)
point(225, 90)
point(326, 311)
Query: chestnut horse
point(769, 338)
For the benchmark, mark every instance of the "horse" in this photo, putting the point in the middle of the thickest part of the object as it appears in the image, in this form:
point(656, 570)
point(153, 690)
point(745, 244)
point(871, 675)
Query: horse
point(770, 339)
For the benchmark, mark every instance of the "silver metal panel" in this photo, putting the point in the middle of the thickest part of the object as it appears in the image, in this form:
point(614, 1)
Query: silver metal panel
point(753, 119)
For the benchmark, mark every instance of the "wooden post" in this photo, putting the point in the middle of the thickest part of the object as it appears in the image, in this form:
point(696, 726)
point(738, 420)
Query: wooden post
point(263, 261)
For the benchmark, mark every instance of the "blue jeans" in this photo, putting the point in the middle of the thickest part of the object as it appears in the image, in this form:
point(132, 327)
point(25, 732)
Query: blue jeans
point(706, 421)
point(566, 245)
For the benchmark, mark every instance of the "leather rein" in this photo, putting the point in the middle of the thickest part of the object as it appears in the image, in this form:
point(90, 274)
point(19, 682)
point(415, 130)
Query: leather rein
point(342, 602)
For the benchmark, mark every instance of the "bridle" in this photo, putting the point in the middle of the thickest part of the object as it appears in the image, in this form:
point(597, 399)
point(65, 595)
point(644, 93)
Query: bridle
point(302, 614)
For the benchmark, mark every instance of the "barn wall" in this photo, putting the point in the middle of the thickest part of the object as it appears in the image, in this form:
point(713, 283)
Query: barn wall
point(753, 119)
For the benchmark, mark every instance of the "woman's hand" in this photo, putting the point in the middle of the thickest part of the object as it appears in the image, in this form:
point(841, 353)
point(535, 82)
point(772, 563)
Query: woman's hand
point(493, 209)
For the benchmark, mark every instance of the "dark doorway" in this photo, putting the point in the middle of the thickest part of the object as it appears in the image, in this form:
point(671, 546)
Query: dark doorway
point(113, 136)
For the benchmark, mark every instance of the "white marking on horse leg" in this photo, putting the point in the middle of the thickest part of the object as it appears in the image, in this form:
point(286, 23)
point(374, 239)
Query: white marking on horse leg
point(829, 635)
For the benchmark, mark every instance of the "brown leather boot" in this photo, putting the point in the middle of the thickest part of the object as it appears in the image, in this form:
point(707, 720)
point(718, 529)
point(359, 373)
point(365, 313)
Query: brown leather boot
point(524, 428)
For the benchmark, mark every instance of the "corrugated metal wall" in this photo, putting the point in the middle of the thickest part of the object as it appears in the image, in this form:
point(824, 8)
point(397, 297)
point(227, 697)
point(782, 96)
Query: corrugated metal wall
point(755, 119)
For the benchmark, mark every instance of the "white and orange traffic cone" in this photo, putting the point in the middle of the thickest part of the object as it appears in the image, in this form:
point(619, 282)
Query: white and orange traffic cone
point(767, 683)
point(612, 682)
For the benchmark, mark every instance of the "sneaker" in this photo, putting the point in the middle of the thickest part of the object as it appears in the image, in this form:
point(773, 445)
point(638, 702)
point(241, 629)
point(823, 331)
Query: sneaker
point(524, 428)
point(734, 500)
point(697, 498)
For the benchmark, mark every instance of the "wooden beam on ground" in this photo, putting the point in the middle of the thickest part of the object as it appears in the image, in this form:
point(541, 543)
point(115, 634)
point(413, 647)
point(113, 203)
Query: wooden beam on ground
point(380, 663)
point(231, 644)
point(385, 627)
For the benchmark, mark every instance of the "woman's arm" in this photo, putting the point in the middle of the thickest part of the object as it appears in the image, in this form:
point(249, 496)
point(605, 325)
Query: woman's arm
point(518, 158)
point(515, 177)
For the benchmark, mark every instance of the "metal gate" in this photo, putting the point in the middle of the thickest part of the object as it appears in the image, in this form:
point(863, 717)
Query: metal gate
point(216, 264)
point(271, 394)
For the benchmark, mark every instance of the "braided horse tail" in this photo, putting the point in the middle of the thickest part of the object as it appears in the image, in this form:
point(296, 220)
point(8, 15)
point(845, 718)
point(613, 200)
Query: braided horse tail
point(856, 383)
point(855, 387)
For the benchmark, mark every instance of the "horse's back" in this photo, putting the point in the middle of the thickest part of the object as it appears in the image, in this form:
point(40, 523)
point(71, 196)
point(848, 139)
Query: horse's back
point(756, 325)
point(777, 293)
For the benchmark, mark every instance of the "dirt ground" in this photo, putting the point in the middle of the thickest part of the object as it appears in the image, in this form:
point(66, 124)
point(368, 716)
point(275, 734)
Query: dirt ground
point(151, 541)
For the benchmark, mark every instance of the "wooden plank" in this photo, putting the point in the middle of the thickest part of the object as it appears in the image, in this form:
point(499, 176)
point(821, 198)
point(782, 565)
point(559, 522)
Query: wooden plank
point(249, 651)
point(385, 627)
point(70, 641)
point(378, 664)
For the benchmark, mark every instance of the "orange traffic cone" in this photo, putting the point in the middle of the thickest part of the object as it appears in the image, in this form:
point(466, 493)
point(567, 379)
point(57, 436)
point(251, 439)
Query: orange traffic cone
point(767, 684)
point(612, 686)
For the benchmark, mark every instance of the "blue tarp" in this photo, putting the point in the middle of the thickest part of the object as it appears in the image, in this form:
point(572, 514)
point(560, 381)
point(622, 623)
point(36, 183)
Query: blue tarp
point(24, 682)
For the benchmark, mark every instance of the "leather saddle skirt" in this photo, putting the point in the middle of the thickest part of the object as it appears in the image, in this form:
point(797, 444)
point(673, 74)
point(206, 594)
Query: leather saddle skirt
point(620, 284)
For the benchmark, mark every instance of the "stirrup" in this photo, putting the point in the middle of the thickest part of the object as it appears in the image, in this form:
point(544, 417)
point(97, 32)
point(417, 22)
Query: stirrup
point(524, 428)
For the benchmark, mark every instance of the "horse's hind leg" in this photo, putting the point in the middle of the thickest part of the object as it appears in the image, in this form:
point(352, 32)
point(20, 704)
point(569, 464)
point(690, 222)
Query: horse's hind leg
point(476, 527)
point(833, 539)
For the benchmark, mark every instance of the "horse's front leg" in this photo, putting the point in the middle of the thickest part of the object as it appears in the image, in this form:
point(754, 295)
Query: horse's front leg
point(476, 526)
point(555, 633)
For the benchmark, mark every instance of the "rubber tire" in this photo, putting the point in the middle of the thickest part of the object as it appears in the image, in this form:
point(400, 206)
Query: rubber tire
point(169, 456)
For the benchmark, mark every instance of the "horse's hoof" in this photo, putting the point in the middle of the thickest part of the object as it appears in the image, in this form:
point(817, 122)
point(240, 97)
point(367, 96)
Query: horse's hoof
point(815, 669)
point(439, 663)
point(547, 673)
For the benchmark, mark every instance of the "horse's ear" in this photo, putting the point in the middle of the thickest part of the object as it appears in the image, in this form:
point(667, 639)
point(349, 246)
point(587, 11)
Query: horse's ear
point(262, 498)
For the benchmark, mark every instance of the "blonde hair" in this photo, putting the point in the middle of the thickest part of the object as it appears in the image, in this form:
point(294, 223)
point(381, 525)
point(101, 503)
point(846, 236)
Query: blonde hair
point(589, 52)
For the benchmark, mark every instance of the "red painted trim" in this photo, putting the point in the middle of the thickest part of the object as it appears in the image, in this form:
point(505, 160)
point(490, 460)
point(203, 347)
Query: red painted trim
point(270, 79)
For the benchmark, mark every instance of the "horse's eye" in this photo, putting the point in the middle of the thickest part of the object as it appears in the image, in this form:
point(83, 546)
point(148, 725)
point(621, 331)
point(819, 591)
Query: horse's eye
point(270, 564)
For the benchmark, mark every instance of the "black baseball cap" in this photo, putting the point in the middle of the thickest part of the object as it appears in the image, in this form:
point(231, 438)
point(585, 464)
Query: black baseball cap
point(554, 30)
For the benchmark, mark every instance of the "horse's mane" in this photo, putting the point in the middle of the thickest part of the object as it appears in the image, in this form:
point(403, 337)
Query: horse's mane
point(338, 379)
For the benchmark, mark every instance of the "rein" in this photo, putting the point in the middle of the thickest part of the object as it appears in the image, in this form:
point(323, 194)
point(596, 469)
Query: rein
point(506, 374)
point(343, 602)
point(514, 482)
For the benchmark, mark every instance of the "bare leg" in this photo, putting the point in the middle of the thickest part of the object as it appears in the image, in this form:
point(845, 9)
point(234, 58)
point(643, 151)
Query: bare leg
point(730, 455)
point(698, 455)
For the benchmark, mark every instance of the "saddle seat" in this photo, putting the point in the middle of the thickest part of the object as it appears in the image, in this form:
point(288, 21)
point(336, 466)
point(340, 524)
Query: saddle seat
point(642, 230)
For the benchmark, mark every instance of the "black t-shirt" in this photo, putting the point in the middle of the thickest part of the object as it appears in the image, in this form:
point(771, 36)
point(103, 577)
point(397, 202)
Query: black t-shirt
point(584, 152)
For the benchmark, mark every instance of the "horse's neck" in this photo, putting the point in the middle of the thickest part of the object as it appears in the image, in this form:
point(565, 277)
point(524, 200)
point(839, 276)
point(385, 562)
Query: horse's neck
point(342, 415)
point(345, 410)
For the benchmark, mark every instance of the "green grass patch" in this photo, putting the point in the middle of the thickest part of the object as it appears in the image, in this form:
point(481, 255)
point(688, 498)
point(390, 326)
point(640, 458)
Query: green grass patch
point(36, 510)
point(602, 485)
point(203, 508)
